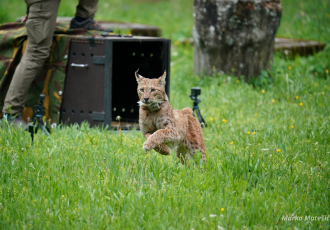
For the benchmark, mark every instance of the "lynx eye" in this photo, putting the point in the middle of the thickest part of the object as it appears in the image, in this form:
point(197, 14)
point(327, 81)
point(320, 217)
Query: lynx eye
point(152, 90)
point(142, 90)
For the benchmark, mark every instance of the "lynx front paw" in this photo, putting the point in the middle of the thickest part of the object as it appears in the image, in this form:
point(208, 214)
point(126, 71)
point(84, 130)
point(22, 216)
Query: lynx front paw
point(147, 147)
point(149, 144)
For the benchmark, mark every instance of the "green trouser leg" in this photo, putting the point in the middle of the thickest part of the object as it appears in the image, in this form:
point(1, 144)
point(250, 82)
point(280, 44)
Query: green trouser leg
point(86, 8)
point(40, 28)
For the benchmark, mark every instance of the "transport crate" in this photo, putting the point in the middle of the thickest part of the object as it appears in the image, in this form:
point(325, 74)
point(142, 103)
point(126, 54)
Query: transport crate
point(100, 82)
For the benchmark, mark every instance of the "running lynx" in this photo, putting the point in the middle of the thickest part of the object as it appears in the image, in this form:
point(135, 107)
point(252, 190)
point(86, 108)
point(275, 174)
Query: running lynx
point(164, 128)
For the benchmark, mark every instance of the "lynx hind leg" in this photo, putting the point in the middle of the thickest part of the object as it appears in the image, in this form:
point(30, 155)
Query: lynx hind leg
point(185, 154)
point(203, 158)
point(182, 153)
point(195, 139)
point(162, 148)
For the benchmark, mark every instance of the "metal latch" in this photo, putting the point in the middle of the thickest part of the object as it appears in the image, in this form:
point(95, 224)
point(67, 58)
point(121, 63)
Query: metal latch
point(99, 60)
point(79, 65)
point(98, 116)
point(91, 42)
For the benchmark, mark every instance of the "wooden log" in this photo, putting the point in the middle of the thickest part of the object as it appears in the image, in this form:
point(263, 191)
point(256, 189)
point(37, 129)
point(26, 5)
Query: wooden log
point(135, 29)
point(235, 37)
point(292, 47)
point(289, 47)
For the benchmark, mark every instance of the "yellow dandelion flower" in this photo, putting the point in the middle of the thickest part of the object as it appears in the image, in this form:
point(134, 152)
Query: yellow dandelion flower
point(301, 104)
point(327, 71)
point(297, 97)
point(256, 114)
point(322, 93)
point(273, 100)
point(289, 67)
point(222, 209)
point(292, 126)
point(231, 142)
point(211, 119)
point(251, 155)
point(278, 150)
point(254, 133)
point(263, 91)
point(248, 132)
point(224, 120)
point(177, 43)
point(238, 81)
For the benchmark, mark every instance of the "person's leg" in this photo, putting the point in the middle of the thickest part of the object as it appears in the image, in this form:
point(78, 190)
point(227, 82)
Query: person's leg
point(86, 8)
point(40, 27)
point(84, 16)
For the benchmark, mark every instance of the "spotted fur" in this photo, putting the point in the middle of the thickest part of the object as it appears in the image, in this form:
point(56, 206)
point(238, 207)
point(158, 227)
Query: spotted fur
point(167, 129)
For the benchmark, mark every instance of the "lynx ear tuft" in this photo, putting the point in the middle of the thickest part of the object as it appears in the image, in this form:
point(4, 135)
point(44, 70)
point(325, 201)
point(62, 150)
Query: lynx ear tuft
point(138, 76)
point(162, 79)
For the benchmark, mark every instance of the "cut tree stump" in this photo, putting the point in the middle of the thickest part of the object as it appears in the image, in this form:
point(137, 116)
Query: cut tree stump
point(235, 37)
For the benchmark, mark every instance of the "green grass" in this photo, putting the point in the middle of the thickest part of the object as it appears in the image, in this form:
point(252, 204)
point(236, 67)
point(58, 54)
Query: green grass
point(268, 154)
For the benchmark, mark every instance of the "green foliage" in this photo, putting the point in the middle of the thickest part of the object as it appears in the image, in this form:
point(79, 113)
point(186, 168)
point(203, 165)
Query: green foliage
point(305, 20)
point(319, 64)
point(3, 13)
point(261, 81)
point(267, 147)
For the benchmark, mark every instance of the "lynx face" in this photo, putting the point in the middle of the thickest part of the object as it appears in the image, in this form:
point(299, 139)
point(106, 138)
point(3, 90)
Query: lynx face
point(151, 91)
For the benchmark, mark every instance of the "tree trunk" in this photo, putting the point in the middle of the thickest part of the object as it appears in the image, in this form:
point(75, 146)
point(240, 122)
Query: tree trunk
point(235, 37)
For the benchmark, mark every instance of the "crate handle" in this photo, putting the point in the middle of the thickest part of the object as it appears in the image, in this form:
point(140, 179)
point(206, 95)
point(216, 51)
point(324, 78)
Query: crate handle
point(79, 65)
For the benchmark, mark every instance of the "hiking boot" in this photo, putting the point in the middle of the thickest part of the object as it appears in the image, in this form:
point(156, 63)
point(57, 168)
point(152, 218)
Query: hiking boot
point(14, 120)
point(88, 24)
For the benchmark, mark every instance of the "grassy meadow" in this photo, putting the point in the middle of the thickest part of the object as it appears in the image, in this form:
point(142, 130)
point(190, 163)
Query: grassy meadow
point(268, 144)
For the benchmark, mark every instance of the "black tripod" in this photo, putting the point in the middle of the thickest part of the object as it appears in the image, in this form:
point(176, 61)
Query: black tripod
point(195, 91)
point(33, 128)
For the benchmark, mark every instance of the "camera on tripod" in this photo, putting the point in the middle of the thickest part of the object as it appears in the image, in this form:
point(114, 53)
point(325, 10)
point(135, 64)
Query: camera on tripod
point(41, 102)
point(195, 92)
point(37, 121)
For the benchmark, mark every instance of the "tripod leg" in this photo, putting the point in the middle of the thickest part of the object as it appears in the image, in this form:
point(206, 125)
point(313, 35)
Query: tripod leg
point(43, 127)
point(193, 112)
point(201, 119)
point(31, 131)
